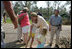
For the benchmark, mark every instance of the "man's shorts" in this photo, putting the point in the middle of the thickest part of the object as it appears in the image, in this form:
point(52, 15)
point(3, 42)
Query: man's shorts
point(26, 29)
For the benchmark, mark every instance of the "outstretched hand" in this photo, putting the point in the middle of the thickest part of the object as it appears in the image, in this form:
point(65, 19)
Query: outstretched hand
point(38, 41)
point(15, 23)
point(15, 26)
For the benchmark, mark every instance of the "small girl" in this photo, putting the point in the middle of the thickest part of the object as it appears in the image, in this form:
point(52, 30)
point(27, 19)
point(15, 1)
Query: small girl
point(41, 39)
point(32, 32)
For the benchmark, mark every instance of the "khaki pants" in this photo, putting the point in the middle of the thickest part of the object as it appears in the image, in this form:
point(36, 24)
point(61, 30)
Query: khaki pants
point(19, 33)
point(54, 30)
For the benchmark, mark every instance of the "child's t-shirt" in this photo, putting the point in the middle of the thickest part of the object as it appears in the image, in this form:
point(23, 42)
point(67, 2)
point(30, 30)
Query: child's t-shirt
point(41, 38)
point(25, 20)
point(34, 29)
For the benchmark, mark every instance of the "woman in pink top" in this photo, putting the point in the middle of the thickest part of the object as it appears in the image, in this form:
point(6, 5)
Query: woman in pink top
point(25, 24)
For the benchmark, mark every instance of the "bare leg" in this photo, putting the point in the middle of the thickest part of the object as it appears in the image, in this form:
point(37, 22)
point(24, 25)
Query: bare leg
point(25, 37)
point(28, 41)
point(32, 42)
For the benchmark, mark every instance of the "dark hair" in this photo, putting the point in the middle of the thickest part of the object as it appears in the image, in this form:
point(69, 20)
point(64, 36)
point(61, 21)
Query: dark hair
point(56, 10)
point(25, 6)
point(34, 14)
point(24, 10)
point(4, 14)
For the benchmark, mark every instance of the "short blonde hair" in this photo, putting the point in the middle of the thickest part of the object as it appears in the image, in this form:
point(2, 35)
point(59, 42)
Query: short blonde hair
point(44, 31)
point(34, 14)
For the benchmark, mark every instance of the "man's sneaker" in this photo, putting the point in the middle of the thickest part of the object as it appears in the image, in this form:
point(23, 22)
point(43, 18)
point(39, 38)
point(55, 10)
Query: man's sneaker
point(50, 44)
point(56, 46)
point(24, 43)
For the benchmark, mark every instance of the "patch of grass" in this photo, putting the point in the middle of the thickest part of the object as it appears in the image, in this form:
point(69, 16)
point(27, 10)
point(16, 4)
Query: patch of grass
point(47, 22)
point(8, 21)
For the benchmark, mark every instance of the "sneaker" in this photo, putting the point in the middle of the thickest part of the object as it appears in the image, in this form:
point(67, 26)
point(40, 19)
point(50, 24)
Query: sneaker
point(50, 44)
point(18, 41)
point(56, 46)
point(21, 39)
point(31, 47)
point(24, 44)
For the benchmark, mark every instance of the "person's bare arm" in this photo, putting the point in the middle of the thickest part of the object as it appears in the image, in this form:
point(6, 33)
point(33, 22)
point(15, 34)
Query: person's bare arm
point(10, 11)
point(31, 30)
point(38, 41)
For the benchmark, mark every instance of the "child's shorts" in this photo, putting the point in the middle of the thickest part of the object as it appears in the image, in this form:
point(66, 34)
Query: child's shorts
point(33, 34)
point(26, 29)
point(40, 45)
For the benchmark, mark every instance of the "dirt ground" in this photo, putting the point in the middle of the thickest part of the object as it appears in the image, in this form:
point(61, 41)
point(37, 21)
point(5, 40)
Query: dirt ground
point(11, 36)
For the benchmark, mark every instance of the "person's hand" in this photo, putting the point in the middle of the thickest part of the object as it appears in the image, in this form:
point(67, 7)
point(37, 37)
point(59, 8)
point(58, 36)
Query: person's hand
point(32, 24)
point(15, 26)
point(39, 42)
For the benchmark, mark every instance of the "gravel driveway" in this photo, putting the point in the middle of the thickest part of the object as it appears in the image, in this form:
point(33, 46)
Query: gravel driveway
point(11, 35)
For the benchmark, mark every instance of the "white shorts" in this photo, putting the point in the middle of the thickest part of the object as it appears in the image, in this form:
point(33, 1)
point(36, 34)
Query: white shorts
point(26, 29)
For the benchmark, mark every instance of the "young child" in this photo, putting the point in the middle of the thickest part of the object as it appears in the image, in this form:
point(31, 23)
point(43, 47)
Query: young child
point(25, 24)
point(41, 39)
point(32, 33)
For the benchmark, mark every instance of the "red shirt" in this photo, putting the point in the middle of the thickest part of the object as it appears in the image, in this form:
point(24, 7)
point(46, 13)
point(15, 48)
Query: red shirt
point(25, 20)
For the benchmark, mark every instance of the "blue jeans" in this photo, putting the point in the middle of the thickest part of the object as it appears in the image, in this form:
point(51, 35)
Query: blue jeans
point(2, 37)
point(3, 46)
point(40, 45)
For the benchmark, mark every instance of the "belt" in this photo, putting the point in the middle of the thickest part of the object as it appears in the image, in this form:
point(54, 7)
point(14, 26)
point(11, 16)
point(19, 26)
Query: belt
point(55, 25)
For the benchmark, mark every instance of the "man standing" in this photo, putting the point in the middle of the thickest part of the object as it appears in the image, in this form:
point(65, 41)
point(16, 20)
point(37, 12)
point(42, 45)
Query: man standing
point(55, 27)
point(8, 7)
point(19, 29)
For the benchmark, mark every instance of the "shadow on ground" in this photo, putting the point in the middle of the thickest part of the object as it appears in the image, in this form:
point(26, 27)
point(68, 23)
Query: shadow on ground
point(13, 45)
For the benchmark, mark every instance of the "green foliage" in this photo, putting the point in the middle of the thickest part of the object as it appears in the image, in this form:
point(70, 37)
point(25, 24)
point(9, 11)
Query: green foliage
point(46, 12)
point(66, 21)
